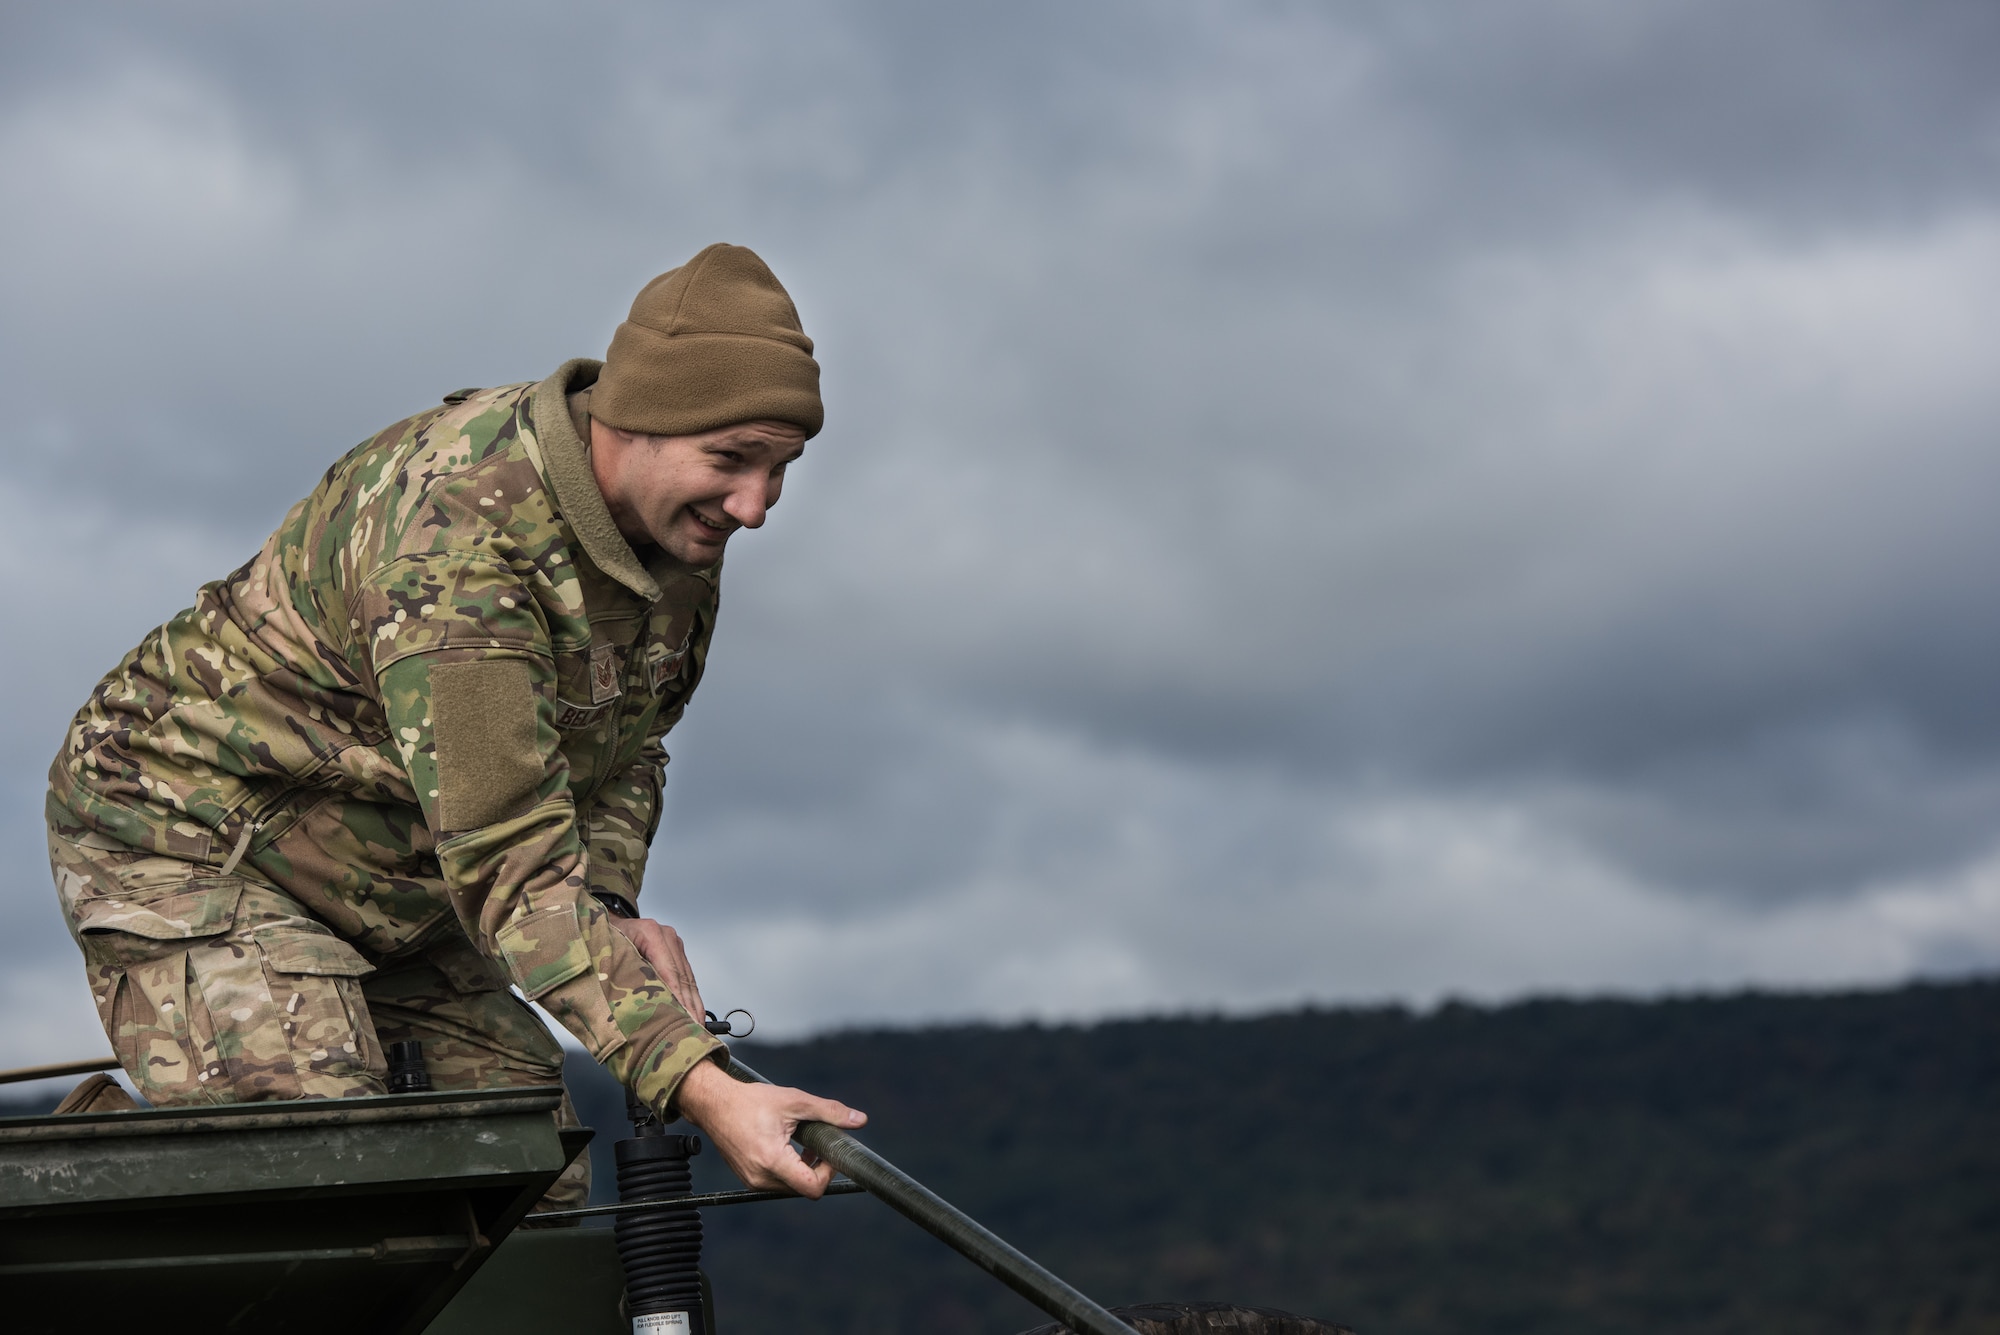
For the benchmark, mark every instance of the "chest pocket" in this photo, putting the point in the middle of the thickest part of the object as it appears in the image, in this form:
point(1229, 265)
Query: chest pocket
point(665, 665)
point(588, 686)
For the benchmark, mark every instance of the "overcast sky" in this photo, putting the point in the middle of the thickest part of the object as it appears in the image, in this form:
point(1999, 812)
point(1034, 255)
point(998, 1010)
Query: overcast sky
point(1319, 502)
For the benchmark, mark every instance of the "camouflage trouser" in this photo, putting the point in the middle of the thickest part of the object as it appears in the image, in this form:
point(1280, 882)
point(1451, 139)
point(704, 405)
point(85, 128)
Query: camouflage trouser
point(225, 990)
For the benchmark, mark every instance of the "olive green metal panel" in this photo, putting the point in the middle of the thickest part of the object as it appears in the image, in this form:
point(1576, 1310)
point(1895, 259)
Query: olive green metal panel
point(555, 1281)
point(131, 1156)
point(329, 1216)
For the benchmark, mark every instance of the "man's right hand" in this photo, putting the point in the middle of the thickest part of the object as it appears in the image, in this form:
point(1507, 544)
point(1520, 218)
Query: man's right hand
point(661, 945)
point(752, 1127)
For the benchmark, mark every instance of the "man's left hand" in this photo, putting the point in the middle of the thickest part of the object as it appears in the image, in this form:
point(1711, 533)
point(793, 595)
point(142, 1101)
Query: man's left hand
point(661, 945)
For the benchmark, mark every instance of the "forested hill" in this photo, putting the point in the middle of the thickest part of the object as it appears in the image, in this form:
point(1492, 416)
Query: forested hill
point(1750, 1163)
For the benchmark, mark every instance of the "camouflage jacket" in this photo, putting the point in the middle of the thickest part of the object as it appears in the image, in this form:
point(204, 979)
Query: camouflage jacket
point(429, 709)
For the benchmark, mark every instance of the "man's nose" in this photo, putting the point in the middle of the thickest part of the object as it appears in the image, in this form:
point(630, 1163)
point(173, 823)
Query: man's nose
point(747, 504)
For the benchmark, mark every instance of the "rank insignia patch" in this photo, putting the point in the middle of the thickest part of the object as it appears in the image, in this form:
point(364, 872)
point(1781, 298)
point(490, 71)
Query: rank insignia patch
point(604, 687)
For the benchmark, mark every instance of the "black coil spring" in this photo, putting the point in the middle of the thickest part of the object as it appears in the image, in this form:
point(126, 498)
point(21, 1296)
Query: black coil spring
point(660, 1249)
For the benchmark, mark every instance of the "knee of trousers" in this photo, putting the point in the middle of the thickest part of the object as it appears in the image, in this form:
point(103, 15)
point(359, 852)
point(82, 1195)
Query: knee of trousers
point(222, 990)
point(476, 1033)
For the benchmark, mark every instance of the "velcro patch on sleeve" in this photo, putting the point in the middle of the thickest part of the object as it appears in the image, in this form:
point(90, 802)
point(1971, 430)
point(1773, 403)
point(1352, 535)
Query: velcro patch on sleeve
point(483, 721)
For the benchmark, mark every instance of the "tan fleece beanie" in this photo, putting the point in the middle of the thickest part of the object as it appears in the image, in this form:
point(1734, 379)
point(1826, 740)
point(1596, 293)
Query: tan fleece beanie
point(712, 343)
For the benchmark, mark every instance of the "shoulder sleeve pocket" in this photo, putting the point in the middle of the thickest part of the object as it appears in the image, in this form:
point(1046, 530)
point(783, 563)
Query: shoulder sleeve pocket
point(544, 949)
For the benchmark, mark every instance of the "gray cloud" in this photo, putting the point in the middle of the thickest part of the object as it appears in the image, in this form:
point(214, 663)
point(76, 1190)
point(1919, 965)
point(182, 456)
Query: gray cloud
point(1317, 501)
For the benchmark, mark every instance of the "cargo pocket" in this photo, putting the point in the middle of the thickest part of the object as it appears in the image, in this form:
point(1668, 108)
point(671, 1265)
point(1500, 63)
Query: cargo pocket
point(290, 1015)
point(140, 956)
point(117, 928)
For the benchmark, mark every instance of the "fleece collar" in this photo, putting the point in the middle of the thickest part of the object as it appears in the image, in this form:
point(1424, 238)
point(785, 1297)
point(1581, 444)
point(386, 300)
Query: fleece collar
point(575, 486)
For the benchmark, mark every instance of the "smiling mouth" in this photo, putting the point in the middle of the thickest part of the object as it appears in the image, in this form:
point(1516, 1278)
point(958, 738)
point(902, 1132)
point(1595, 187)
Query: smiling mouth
point(704, 522)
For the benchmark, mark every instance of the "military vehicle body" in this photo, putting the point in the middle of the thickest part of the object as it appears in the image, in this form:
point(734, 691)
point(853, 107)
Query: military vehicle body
point(410, 1213)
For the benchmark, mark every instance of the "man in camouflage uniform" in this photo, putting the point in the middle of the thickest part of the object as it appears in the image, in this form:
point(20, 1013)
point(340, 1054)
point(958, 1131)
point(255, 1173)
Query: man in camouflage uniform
point(409, 754)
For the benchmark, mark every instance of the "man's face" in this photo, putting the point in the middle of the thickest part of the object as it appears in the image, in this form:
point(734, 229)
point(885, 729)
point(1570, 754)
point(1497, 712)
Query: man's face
point(687, 494)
